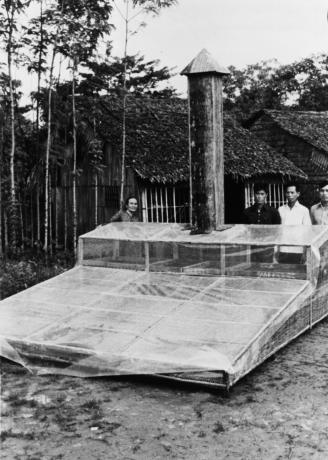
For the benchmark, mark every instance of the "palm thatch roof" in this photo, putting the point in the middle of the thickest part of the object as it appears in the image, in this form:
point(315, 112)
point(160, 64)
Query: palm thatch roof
point(157, 142)
point(247, 156)
point(310, 126)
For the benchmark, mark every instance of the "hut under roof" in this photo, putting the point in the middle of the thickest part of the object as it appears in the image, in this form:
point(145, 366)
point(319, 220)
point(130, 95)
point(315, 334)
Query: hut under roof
point(310, 126)
point(157, 153)
point(301, 137)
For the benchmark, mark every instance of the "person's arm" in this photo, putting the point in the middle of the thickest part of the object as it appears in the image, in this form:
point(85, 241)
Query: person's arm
point(280, 212)
point(306, 218)
point(244, 217)
point(116, 217)
point(276, 219)
point(313, 220)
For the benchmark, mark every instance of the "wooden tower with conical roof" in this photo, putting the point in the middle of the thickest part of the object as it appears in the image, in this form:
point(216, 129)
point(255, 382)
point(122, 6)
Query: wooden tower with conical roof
point(206, 140)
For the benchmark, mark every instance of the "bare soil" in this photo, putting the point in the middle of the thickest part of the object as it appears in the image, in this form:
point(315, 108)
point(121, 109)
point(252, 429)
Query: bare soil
point(279, 411)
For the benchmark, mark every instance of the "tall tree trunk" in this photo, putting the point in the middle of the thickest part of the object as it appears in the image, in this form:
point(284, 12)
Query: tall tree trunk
point(21, 219)
point(96, 179)
point(46, 182)
point(65, 217)
point(96, 199)
point(1, 158)
point(55, 192)
point(124, 104)
point(39, 74)
point(50, 216)
point(38, 223)
point(13, 205)
point(32, 220)
point(1, 207)
point(5, 227)
point(74, 163)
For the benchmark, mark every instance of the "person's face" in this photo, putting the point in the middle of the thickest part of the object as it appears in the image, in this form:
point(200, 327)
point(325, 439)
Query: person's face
point(260, 197)
point(292, 194)
point(324, 194)
point(132, 205)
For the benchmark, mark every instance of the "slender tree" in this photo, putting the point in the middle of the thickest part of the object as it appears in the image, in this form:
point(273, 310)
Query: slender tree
point(54, 17)
point(81, 31)
point(9, 14)
point(129, 10)
point(48, 146)
point(2, 121)
point(37, 41)
point(74, 69)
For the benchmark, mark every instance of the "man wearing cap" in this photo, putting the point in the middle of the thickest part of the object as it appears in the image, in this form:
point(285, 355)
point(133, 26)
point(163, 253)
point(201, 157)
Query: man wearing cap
point(319, 211)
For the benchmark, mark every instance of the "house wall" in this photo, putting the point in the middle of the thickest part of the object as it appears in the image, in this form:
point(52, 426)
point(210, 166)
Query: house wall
point(164, 202)
point(170, 203)
point(98, 195)
point(295, 149)
point(97, 202)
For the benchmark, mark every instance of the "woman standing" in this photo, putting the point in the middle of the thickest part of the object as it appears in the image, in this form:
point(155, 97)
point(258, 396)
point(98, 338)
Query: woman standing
point(129, 213)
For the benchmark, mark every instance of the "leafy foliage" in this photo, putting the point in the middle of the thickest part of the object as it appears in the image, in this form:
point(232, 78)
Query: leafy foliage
point(154, 6)
point(143, 77)
point(17, 275)
point(302, 85)
point(31, 152)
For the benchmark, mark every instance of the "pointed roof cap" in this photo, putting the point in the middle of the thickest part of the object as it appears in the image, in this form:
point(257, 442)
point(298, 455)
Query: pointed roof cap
point(204, 63)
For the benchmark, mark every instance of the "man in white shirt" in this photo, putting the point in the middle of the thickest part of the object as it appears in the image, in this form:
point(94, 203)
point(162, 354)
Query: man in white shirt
point(294, 213)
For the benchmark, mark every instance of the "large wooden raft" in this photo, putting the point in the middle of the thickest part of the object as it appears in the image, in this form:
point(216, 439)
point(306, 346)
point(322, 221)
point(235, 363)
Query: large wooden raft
point(153, 299)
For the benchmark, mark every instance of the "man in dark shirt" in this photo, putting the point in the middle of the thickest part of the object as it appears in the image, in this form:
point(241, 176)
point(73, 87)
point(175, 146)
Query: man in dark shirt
point(261, 213)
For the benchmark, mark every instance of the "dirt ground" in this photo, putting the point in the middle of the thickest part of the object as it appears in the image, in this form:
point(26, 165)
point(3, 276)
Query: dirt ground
point(279, 411)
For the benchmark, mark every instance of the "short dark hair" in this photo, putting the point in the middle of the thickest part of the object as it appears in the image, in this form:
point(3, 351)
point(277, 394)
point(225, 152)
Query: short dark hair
point(259, 187)
point(126, 202)
point(323, 184)
point(293, 184)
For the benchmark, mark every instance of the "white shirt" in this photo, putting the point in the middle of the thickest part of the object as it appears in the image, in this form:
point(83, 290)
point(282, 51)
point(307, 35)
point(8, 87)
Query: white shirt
point(319, 214)
point(297, 215)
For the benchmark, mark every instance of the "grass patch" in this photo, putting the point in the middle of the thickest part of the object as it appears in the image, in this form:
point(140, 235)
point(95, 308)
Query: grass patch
point(28, 268)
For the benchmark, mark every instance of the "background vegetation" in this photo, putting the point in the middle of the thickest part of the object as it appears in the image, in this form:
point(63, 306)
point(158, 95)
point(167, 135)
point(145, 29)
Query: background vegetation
point(67, 45)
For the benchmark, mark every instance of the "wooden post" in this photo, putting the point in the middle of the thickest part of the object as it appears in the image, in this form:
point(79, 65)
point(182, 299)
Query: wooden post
point(206, 137)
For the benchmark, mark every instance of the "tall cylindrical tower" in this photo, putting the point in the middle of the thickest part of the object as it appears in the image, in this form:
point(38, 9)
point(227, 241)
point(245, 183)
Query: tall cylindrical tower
point(206, 139)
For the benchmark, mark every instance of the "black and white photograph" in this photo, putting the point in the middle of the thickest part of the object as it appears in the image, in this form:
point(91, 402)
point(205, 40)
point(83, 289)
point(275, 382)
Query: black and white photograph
point(163, 229)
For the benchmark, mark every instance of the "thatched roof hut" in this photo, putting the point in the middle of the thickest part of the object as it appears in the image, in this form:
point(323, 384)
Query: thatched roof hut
point(300, 136)
point(157, 143)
